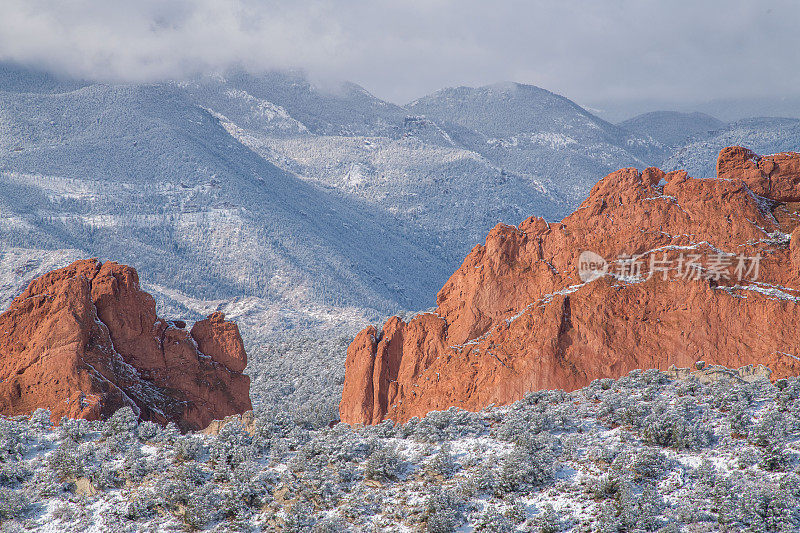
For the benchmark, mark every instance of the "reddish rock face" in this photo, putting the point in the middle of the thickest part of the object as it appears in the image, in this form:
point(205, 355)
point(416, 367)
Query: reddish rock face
point(85, 340)
point(220, 340)
point(697, 270)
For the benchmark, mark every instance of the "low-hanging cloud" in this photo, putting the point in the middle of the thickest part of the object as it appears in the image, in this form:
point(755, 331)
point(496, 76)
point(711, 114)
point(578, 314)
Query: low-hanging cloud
point(586, 49)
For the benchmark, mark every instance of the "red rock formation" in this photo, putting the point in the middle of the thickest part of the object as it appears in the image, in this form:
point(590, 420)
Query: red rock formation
point(85, 340)
point(517, 316)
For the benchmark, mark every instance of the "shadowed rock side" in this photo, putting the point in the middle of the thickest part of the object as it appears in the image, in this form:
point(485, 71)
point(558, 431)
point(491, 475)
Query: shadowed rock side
point(517, 316)
point(85, 340)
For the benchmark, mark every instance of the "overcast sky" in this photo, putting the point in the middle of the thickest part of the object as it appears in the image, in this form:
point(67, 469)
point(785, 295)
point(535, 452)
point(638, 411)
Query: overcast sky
point(590, 51)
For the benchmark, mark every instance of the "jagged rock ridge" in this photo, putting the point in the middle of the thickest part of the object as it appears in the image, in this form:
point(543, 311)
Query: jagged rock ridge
point(698, 269)
point(85, 340)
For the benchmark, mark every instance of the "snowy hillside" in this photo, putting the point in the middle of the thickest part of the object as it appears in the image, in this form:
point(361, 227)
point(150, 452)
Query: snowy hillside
point(534, 132)
point(364, 148)
point(19, 265)
point(285, 204)
point(762, 135)
point(141, 175)
point(672, 128)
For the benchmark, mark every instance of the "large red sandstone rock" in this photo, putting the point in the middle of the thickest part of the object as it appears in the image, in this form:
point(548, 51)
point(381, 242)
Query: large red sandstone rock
point(517, 316)
point(85, 340)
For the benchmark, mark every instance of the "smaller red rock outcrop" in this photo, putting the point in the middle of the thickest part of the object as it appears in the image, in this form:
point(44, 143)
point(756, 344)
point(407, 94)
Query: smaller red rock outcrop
point(221, 341)
point(776, 177)
point(85, 340)
point(687, 269)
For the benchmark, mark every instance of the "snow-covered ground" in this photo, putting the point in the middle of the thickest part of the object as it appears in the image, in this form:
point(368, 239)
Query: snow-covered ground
point(641, 453)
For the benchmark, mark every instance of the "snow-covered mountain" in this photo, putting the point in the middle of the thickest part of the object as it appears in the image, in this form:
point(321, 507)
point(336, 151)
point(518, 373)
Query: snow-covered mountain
point(141, 174)
point(672, 128)
point(291, 205)
point(762, 135)
point(531, 131)
point(278, 201)
point(377, 153)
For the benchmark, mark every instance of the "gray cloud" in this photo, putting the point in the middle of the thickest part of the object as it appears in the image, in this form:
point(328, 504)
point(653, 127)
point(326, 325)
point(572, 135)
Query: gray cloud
point(592, 51)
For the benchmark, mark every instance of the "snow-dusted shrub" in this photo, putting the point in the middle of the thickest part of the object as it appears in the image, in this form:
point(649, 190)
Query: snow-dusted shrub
point(232, 447)
point(13, 504)
point(494, 520)
point(175, 488)
point(478, 480)
point(630, 411)
point(13, 436)
point(384, 430)
point(706, 476)
point(677, 427)
point(344, 445)
point(230, 506)
point(322, 488)
point(330, 525)
point(521, 424)
point(787, 395)
point(316, 416)
point(774, 457)
point(739, 419)
point(443, 462)
point(103, 474)
point(384, 463)
point(141, 504)
point(312, 456)
point(640, 379)
point(548, 521)
point(12, 474)
point(754, 505)
point(527, 466)
point(168, 434)
point(632, 509)
point(602, 384)
point(67, 460)
point(123, 422)
point(135, 467)
point(538, 412)
point(722, 394)
point(299, 518)
point(275, 432)
point(40, 420)
point(363, 503)
point(74, 429)
point(147, 431)
point(451, 424)
point(251, 484)
point(688, 387)
point(603, 454)
point(648, 464)
point(608, 485)
point(203, 507)
point(443, 511)
point(641, 510)
point(188, 448)
point(772, 428)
